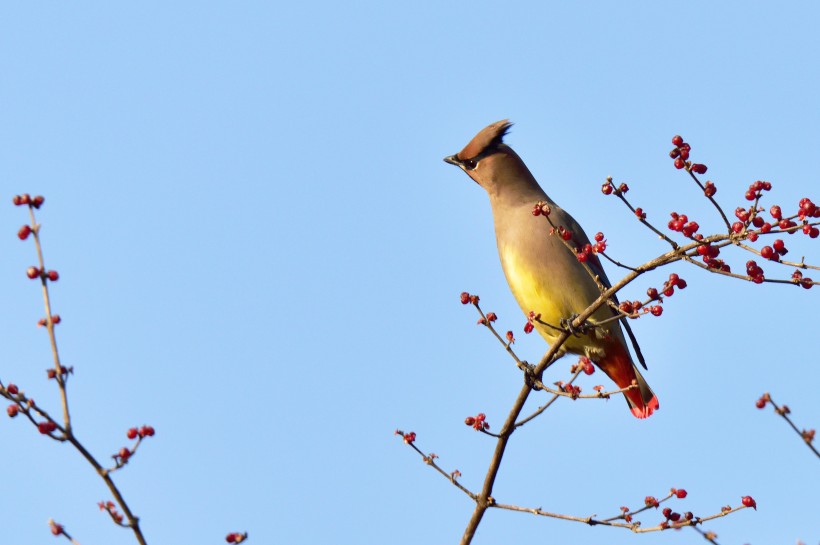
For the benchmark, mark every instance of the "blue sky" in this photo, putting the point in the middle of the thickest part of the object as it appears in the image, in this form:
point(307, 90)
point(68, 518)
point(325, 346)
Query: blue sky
point(261, 253)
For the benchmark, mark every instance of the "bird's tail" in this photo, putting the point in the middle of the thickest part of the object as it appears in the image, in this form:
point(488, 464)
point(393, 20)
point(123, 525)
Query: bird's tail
point(618, 365)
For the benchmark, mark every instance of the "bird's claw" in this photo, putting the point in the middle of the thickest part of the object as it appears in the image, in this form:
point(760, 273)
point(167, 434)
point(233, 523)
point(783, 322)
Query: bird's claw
point(566, 323)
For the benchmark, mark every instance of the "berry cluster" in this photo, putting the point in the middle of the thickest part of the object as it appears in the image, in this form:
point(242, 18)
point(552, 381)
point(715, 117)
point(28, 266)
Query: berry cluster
point(681, 224)
point(529, 326)
point(488, 319)
point(26, 199)
point(609, 188)
point(466, 298)
point(478, 422)
point(55, 319)
point(111, 508)
point(634, 309)
point(124, 454)
point(582, 252)
point(236, 537)
point(409, 437)
point(64, 372)
point(584, 364)
point(680, 155)
point(35, 272)
point(47, 427)
point(570, 389)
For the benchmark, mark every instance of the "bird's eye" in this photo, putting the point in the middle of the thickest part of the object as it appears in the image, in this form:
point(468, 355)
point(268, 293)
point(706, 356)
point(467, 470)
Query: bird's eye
point(470, 164)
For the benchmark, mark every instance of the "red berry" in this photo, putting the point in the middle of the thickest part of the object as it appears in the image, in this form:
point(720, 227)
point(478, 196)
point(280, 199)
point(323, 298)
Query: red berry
point(677, 140)
point(709, 190)
point(131, 433)
point(656, 310)
point(38, 201)
point(807, 283)
point(674, 153)
point(465, 297)
point(760, 403)
point(779, 246)
point(640, 213)
point(528, 327)
point(669, 292)
point(469, 421)
point(682, 284)
point(698, 168)
point(510, 337)
point(626, 307)
point(750, 195)
point(737, 227)
point(775, 212)
point(566, 234)
point(674, 517)
point(680, 493)
point(623, 188)
point(147, 431)
point(767, 252)
point(684, 154)
point(491, 317)
point(652, 293)
point(766, 227)
point(24, 232)
point(679, 163)
point(606, 189)
point(474, 299)
point(12, 389)
point(53, 276)
point(599, 236)
point(748, 501)
point(46, 427)
point(814, 232)
point(12, 410)
point(691, 228)
point(56, 529)
point(32, 272)
point(588, 367)
point(667, 512)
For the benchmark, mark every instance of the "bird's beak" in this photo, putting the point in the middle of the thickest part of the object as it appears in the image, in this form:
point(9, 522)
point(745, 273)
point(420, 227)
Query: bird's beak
point(453, 160)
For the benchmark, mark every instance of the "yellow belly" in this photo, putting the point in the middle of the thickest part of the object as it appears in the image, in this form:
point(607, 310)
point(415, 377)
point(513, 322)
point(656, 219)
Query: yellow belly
point(555, 294)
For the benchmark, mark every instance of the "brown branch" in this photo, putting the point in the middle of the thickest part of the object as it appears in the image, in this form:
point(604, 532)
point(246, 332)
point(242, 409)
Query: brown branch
point(60, 377)
point(61, 383)
point(634, 526)
point(784, 411)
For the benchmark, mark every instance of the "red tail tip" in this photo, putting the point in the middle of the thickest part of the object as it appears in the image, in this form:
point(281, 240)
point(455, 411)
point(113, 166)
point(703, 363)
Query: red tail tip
point(647, 410)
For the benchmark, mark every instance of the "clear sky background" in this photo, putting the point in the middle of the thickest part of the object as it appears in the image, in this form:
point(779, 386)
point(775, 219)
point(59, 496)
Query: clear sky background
point(261, 253)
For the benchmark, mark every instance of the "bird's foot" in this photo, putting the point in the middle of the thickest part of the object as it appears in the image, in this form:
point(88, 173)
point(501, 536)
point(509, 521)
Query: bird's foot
point(530, 378)
point(583, 329)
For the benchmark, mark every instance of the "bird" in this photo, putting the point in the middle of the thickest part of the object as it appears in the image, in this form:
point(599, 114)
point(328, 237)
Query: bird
point(544, 276)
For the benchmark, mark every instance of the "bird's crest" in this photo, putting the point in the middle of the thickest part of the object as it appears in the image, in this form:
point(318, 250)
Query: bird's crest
point(489, 137)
